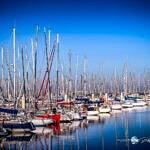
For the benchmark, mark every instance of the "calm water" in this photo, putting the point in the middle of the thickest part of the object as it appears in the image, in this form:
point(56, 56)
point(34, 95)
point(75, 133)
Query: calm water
point(100, 132)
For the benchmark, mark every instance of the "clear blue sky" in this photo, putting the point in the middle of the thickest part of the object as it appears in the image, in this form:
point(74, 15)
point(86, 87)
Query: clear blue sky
point(108, 31)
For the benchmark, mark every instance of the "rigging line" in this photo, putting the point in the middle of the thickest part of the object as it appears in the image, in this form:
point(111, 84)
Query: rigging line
point(48, 69)
point(41, 66)
point(8, 68)
point(27, 68)
point(28, 59)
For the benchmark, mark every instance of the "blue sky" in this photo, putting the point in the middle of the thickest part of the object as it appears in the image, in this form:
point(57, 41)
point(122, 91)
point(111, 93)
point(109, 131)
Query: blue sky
point(108, 31)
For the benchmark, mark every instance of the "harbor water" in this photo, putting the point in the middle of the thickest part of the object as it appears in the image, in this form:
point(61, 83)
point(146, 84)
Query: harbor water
point(123, 129)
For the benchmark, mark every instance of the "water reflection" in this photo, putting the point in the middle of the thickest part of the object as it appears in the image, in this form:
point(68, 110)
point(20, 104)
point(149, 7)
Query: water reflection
point(17, 141)
point(106, 131)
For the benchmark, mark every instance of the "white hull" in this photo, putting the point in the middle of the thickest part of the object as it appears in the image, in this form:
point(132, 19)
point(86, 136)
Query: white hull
point(41, 121)
point(19, 130)
point(116, 107)
point(139, 104)
point(75, 116)
point(65, 118)
point(92, 113)
point(93, 118)
point(127, 105)
point(104, 110)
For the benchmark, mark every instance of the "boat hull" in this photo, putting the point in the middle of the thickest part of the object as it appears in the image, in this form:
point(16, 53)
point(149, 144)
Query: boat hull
point(54, 117)
point(104, 110)
point(116, 107)
point(41, 121)
point(139, 104)
point(92, 113)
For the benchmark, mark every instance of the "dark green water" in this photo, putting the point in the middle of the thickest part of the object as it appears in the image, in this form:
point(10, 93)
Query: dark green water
point(112, 132)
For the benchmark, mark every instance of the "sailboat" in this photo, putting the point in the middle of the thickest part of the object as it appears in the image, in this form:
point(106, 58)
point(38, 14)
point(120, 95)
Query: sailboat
point(104, 109)
point(92, 112)
point(127, 104)
point(40, 122)
point(139, 103)
point(116, 106)
point(53, 115)
point(16, 125)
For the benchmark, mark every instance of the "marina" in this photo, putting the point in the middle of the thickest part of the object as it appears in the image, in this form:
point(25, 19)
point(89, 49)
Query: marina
point(74, 74)
point(33, 113)
point(110, 131)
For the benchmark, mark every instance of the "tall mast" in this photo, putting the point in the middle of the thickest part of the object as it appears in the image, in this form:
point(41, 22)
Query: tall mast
point(9, 77)
point(35, 59)
point(23, 73)
point(19, 68)
point(32, 47)
point(14, 49)
point(76, 78)
point(84, 82)
point(70, 76)
point(27, 73)
point(125, 79)
point(115, 82)
point(101, 79)
point(49, 40)
point(2, 67)
point(81, 87)
point(63, 80)
point(57, 59)
point(49, 90)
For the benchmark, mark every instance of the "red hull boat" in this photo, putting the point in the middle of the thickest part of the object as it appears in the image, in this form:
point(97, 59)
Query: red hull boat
point(55, 117)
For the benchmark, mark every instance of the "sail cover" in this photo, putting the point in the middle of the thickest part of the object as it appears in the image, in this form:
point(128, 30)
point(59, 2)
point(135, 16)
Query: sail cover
point(9, 111)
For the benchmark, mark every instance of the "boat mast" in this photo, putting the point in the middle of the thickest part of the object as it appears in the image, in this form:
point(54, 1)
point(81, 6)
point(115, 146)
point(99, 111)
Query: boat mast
point(125, 79)
point(35, 66)
point(70, 76)
point(63, 80)
point(19, 84)
point(9, 77)
point(76, 78)
point(24, 86)
point(2, 67)
point(115, 82)
point(101, 79)
point(14, 49)
point(26, 73)
point(84, 82)
point(32, 48)
point(49, 40)
point(81, 87)
point(48, 71)
point(57, 59)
